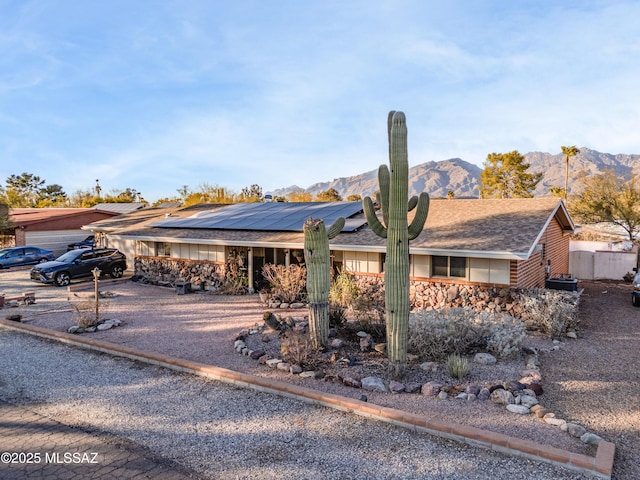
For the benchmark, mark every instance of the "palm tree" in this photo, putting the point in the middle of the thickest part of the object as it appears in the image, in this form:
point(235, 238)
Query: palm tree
point(568, 152)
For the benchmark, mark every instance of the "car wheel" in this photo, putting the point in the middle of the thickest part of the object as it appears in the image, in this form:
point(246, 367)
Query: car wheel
point(116, 271)
point(43, 260)
point(634, 301)
point(63, 279)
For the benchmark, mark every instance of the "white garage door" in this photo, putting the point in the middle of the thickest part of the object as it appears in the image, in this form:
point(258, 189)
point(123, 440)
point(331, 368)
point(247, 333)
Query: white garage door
point(56, 240)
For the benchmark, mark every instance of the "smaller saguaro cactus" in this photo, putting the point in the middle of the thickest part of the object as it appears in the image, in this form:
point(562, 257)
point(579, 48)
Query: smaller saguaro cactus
point(318, 263)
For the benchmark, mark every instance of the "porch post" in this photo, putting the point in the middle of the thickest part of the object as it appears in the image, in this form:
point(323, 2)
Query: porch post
point(250, 268)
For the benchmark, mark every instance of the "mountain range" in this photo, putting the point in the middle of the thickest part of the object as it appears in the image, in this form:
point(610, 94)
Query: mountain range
point(462, 178)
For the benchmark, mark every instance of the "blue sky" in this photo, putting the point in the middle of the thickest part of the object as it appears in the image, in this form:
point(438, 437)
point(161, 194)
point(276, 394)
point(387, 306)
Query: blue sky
point(154, 95)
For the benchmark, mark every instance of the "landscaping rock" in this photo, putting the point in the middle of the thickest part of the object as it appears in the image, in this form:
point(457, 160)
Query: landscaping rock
point(337, 343)
point(431, 389)
point(396, 387)
point(256, 354)
point(519, 409)
point(412, 387)
point(590, 439)
point(429, 366)
point(574, 430)
point(502, 397)
point(443, 395)
point(473, 389)
point(352, 382)
point(535, 387)
point(484, 394)
point(558, 422)
point(273, 363)
point(374, 384)
point(484, 359)
point(285, 366)
point(528, 401)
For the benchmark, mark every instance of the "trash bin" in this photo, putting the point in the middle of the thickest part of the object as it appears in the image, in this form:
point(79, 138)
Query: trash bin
point(183, 288)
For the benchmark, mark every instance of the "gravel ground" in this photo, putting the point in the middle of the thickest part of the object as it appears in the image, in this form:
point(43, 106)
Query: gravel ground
point(201, 327)
point(231, 433)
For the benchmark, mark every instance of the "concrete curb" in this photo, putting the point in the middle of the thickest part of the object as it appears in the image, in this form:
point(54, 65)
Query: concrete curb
point(601, 466)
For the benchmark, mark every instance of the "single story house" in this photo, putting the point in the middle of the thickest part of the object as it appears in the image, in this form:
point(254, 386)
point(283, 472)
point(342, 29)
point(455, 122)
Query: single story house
point(485, 243)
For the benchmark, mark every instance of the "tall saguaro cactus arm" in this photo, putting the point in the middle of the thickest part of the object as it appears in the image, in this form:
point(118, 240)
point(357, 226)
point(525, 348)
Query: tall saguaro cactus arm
point(370, 213)
point(394, 203)
point(417, 224)
point(318, 261)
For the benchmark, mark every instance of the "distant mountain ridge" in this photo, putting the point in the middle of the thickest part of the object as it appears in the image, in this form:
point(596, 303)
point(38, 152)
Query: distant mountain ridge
point(462, 178)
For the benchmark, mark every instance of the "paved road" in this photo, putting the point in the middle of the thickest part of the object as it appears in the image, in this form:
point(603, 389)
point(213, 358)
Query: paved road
point(34, 446)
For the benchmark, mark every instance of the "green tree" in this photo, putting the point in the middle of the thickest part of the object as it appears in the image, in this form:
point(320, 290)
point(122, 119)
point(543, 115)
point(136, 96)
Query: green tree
point(505, 176)
point(23, 190)
point(330, 195)
point(568, 152)
point(608, 198)
point(52, 196)
point(5, 220)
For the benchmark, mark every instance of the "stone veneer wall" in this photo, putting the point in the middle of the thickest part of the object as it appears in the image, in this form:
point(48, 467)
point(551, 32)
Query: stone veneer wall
point(201, 274)
point(432, 295)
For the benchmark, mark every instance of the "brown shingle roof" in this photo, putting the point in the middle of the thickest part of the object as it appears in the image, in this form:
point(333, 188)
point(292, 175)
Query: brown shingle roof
point(493, 227)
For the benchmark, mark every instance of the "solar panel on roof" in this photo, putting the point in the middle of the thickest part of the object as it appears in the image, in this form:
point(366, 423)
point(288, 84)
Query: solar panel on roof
point(277, 216)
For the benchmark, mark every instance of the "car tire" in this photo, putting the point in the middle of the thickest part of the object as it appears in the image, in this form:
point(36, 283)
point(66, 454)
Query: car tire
point(43, 260)
point(116, 271)
point(63, 279)
point(635, 301)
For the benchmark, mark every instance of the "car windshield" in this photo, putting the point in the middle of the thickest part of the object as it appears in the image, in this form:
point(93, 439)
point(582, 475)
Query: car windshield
point(3, 252)
point(69, 256)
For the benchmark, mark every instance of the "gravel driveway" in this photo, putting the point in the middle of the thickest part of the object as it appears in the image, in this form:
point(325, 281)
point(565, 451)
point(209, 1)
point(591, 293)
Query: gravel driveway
point(201, 327)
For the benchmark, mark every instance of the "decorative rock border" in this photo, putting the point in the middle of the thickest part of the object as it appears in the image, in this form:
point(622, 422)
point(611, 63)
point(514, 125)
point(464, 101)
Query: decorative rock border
point(519, 397)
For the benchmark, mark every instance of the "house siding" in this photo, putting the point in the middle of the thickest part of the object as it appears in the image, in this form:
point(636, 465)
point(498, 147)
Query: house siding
point(554, 245)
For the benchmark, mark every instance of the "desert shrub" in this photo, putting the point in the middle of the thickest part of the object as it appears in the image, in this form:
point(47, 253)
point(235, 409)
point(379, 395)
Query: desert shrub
point(344, 290)
point(550, 312)
point(85, 314)
point(235, 280)
point(457, 366)
point(287, 283)
point(436, 334)
point(337, 315)
point(296, 347)
point(504, 334)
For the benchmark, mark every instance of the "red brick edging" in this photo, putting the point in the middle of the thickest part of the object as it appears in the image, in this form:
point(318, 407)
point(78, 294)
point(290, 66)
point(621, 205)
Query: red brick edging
point(600, 466)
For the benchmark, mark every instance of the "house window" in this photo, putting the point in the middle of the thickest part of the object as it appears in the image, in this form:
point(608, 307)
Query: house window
point(449, 266)
point(163, 249)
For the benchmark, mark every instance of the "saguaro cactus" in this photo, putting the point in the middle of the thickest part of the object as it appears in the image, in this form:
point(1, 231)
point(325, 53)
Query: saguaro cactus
point(394, 203)
point(318, 263)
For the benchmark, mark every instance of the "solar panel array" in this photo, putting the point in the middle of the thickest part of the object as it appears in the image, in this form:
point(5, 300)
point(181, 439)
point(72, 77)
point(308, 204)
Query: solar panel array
point(276, 216)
